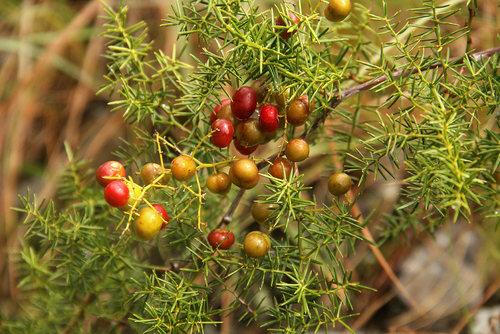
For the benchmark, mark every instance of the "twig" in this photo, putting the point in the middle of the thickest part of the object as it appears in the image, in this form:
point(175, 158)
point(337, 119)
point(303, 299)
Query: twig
point(78, 315)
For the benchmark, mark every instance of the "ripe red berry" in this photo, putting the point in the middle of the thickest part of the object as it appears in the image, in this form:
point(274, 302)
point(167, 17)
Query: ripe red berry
point(223, 134)
point(163, 214)
point(183, 168)
point(244, 102)
point(220, 238)
point(280, 22)
point(213, 115)
point(245, 150)
point(268, 120)
point(244, 174)
point(109, 169)
point(116, 194)
point(219, 183)
point(276, 168)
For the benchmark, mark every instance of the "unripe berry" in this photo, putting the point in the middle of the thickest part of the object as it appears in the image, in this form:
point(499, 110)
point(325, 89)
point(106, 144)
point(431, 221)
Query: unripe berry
point(152, 171)
point(148, 224)
point(244, 174)
point(256, 244)
point(183, 168)
point(339, 184)
point(219, 183)
point(297, 150)
point(337, 10)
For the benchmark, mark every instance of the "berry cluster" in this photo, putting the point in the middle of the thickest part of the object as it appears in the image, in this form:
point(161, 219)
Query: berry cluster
point(127, 195)
point(252, 117)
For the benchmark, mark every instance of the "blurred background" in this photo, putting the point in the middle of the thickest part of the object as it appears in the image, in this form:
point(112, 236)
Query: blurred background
point(50, 70)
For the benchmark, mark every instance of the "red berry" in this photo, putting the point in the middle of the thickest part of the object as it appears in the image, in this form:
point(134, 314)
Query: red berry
point(268, 120)
point(245, 150)
point(116, 194)
point(220, 238)
point(213, 115)
point(280, 22)
point(276, 169)
point(109, 169)
point(223, 134)
point(159, 208)
point(244, 102)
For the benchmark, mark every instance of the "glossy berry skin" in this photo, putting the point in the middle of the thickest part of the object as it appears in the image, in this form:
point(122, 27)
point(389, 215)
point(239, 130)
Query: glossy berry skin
point(220, 238)
point(183, 168)
point(280, 22)
point(282, 99)
point(116, 194)
point(245, 150)
point(244, 102)
point(339, 184)
point(109, 169)
point(244, 174)
point(223, 135)
point(213, 115)
point(227, 113)
point(268, 120)
point(297, 113)
point(163, 214)
point(276, 168)
point(249, 132)
point(262, 211)
point(219, 183)
point(297, 150)
point(337, 10)
point(256, 244)
point(148, 224)
point(152, 171)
